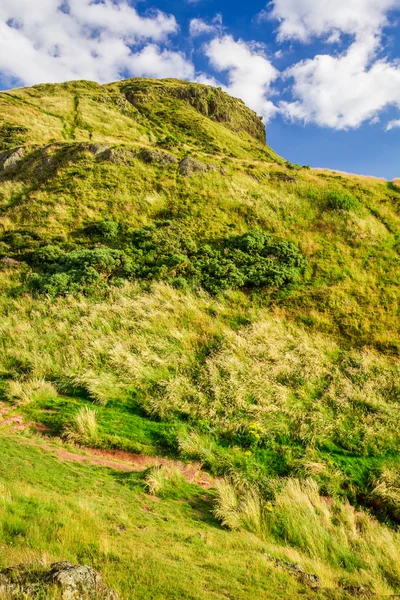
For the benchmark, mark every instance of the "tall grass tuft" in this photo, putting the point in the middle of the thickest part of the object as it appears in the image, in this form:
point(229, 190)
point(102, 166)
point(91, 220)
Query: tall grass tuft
point(386, 493)
point(238, 508)
point(22, 391)
point(321, 529)
point(83, 428)
point(160, 479)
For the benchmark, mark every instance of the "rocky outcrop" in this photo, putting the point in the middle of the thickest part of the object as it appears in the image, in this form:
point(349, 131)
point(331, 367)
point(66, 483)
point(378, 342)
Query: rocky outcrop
point(209, 101)
point(191, 166)
point(11, 159)
point(150, 156)
point(76, 582)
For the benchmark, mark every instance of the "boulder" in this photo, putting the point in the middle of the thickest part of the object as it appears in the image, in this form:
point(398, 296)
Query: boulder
point(13, 159)
point(97, 149)
point(155, 156)
point(191, 166)
point(77, 581)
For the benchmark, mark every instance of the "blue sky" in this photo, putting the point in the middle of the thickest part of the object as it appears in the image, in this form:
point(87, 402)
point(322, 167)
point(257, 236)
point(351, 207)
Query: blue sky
point(324, 75)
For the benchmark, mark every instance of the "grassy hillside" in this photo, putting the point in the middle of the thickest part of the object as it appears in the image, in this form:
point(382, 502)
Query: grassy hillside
point(170, 286)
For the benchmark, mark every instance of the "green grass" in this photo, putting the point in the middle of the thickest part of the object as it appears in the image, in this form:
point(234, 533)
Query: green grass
point(144, 549)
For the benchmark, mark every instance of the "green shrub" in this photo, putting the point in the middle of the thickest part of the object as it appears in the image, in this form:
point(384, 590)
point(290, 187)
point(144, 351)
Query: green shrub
point(164, 253)
point(80, 271)
point(106, 229)
point(169, 142)
point(341, 200)
point(254, 260)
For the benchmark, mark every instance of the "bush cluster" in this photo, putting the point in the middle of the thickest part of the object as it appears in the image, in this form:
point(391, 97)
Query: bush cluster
point(341, 200)
point(161, 252)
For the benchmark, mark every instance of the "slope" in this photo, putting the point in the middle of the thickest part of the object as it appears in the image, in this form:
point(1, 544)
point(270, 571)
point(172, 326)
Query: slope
point(171, 286)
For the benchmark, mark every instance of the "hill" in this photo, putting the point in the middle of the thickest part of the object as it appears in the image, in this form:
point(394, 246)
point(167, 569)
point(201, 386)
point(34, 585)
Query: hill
point(171, 287)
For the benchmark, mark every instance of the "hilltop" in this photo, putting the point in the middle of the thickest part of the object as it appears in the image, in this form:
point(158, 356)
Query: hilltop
point(171, 287)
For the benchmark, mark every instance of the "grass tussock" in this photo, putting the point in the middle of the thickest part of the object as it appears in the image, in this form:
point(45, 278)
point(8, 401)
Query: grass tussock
point(385, 495)
point(83, 428)
point(163, 479)
point(30, 390)
point(324, 530)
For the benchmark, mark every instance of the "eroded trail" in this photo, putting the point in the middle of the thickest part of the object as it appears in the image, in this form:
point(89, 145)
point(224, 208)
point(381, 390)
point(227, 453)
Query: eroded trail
point(119, 460)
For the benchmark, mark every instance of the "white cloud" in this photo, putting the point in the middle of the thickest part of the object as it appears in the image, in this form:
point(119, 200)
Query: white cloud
point(250, 73)
point(304, 19)
point(52, 41)
point(199, 27)
point(395, 124)
point(152, 62)
point(343, 91)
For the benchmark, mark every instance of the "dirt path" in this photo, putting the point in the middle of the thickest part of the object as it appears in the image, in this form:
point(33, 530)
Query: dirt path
point(119, 460)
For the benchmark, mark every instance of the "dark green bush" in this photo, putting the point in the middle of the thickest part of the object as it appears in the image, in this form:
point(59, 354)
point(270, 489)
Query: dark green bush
point(165, 253)
point(81, 271)
point(106, 229)
point(341, 200)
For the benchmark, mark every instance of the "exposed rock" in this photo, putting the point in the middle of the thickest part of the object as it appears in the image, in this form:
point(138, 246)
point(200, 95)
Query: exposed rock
point(191, 166)
point(155, 156)
point(359, 591)
point(76, 582)
point(223, 171)
point(312, 581)
point(207, 100)
point(97, 149)
point(13, 159)
point(118, 156)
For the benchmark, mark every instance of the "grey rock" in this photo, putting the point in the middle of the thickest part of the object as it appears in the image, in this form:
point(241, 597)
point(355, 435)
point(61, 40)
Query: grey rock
point(191, 166)
point(13, 159)
point(77, 581)
point(155, 156)
point(97, 149)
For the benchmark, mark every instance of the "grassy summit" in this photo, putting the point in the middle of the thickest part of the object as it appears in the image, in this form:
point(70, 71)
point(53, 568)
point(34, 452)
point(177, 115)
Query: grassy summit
point(172, 287)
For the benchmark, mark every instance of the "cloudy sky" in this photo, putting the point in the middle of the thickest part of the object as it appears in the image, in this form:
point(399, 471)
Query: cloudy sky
point(324, 74)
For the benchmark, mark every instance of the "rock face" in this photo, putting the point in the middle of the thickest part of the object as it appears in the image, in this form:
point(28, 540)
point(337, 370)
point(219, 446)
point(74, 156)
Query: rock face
point(207, 100)
point(13, 159)
point(155, 156)
point(191, 166)
point(76, 582)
